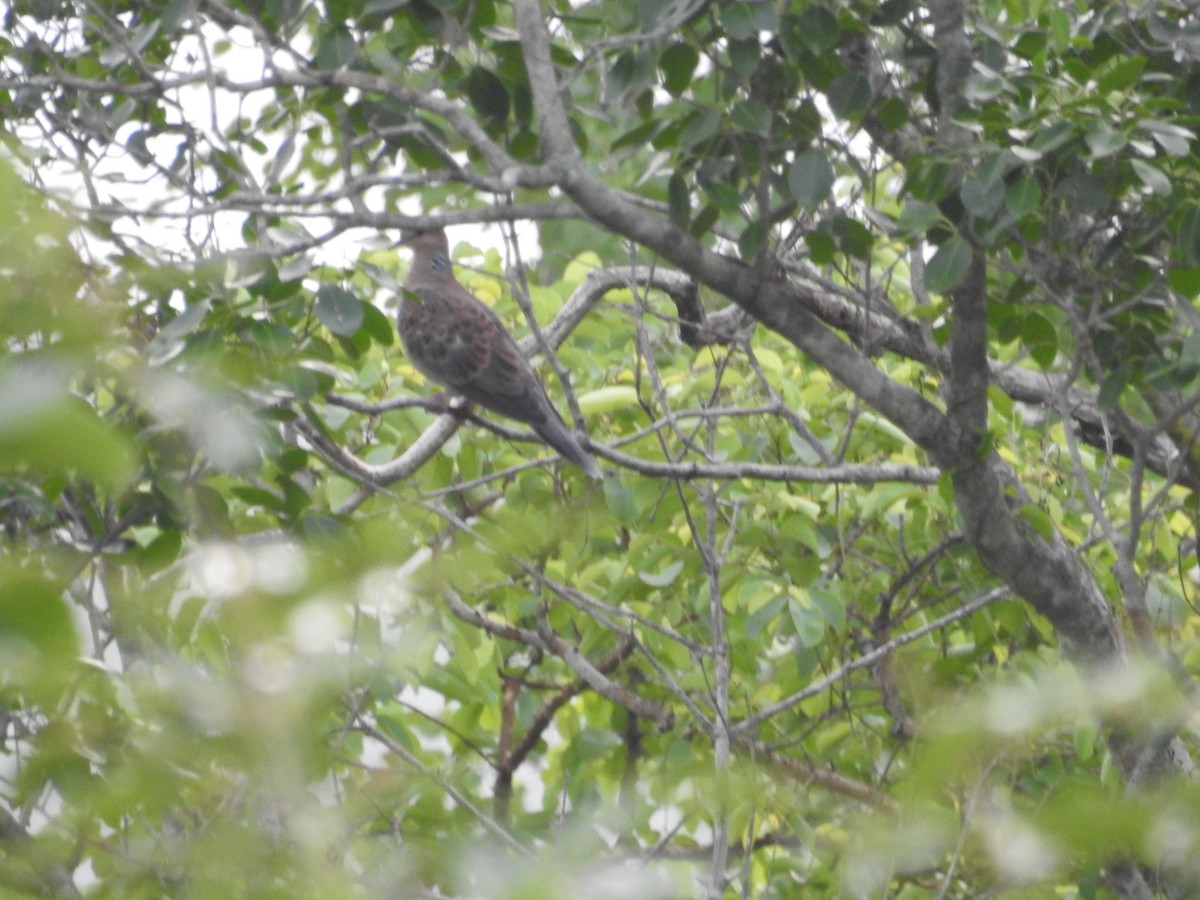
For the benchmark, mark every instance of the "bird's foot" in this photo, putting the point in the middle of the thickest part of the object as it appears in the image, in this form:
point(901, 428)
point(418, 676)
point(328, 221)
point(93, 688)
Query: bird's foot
point(454, 404)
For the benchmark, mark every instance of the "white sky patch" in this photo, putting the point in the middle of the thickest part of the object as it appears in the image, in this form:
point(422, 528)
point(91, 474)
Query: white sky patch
point(317, 627)
point(224, 570)
point(271, 668)
point(385, 588)
point(1013, 709)
point(1171, 838)
point(1021, 854)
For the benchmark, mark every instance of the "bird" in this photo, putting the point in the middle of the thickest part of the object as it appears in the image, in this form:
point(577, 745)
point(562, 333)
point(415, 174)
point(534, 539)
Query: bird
point(457, 341)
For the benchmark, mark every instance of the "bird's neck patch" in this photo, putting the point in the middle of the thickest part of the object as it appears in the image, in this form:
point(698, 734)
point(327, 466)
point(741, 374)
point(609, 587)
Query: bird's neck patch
point(440, 263)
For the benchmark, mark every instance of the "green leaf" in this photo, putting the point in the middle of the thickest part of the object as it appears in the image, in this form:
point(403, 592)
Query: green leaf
point(608, 399)
point(821, 247)
point(336, 49)
point(621, 73)
point(180, 327)
point(620, 500)
point(383, 7)
point(744, 57)
point(700, 127)
point(751, 118)
point(808, 621)
point(677, 63)
point(1085, 192)
point(639, 136)
point(161, 552)
point(1040, 337)
point(52, 432)
point(1023, 196)
point(1152, 176)
point(1104, 142)
point(663, 578)
point(524, 146)
point(1123, 73)
point(1052, 137)
point(745, 19)
point(892, 113)
point(752, 239)
point(849, 96)
point(1084, 740)
point(724, 196)
point(1039, 519)
point(764, 615)
point(339, 310)
point(679, 200)
point(853, 237)
point(1060, 28)
point(1113, 387)
point(949, 265)
point(918, 217)
point(378, 325)
point(1186, 280)
point(1174, 139)
point(488, 95)
point(810, 178)
point(982, 198)
point(831, 606)
point(37, 632)
point(819, 29)
point(704, 220)
point(296, 268)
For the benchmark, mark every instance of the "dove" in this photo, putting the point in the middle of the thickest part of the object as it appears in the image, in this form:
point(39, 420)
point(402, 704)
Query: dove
point(455, 340)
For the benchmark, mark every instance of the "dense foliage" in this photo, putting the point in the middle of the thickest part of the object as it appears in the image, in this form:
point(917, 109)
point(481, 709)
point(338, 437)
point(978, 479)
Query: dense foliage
point(881, 319)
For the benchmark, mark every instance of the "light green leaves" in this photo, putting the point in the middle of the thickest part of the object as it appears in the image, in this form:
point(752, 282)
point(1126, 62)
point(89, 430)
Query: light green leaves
point(47, 429)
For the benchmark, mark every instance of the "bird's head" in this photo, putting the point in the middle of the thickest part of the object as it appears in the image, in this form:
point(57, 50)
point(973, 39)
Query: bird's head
point(431, 249)
point(428, 240)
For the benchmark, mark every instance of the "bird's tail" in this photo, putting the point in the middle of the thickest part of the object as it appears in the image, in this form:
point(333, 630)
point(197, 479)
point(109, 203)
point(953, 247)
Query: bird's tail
point(555, 433)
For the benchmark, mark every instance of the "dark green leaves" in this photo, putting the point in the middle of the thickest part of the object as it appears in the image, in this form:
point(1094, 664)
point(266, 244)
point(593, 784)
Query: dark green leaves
point(700, 127)
point(810, 178)
point(917, 217)
point(1113, 387)
point(678, 200)
point(744, 20)
point(1040, 338)
point(849, 96)
point(949, 265)
point(677, 63)
point(335, 49)
point(982, 197)
point(819, 29)
point(488, 95)
point(339, 310)
point(1023, 196)
point(752, 239)
point(377, 325)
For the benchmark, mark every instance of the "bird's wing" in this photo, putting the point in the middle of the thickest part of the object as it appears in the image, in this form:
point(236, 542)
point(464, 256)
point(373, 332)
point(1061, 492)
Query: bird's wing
point(467, 348)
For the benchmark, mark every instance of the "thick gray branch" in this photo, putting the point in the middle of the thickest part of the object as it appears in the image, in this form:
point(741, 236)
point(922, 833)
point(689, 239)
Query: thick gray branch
point(1044, 570)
